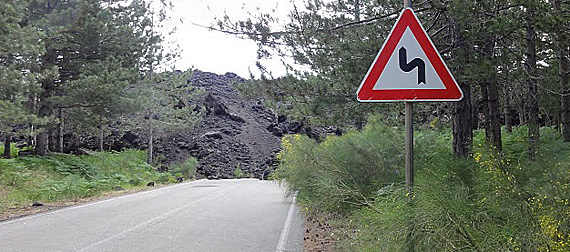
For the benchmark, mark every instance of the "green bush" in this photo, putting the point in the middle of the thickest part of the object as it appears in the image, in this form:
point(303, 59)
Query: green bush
point(342, 172)
point(490, 202)
point(238, 173)
point(186, 169)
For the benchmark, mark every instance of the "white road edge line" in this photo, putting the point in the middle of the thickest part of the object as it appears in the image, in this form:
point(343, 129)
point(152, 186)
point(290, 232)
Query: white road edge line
point(94, 203)
point(158, 218)
point(286, 227)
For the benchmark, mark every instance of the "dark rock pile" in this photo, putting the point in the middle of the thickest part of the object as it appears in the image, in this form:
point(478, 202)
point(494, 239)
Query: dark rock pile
point(232, 134)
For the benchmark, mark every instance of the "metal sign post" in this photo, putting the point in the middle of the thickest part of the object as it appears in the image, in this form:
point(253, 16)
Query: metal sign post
point(409, 146)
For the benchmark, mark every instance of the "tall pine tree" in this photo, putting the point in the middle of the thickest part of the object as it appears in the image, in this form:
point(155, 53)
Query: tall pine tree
point(19, 52)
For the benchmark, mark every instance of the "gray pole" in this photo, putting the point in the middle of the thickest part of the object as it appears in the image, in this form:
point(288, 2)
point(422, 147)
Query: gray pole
point(409, 145)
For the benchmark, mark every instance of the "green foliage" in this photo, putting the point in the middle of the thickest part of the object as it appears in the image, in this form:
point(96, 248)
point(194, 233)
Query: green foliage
point(163, 102)
point(13, 149)
point(539, 188)
point(75, 59)
point(508, 56)
point(19, 50)
point(490, 202)
point(238, 173)
point(113, 46)
point(335, 58)
point(64, 177)
point(186, 169)
point(342, 172)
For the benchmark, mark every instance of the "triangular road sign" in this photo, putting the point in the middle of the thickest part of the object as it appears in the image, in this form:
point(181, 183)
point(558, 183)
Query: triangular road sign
point(408, 68)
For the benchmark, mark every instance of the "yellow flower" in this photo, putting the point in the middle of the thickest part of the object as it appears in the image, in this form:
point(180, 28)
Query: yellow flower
point(477, 157)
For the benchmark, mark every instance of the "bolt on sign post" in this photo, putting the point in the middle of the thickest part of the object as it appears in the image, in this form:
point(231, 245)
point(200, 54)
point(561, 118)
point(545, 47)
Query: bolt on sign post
point(408, 69)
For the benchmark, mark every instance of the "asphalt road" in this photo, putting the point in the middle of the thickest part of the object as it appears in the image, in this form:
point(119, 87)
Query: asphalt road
point(202, 216)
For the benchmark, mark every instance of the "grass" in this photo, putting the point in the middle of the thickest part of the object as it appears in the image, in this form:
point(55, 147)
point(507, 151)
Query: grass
point(490, 202)
point(24, 180)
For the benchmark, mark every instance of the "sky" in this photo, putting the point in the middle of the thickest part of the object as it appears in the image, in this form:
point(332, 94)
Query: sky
point(213, 51)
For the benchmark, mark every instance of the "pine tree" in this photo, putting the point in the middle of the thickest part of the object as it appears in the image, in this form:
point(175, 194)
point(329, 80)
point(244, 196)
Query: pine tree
point(19, 49)
point(561, 33)
point(531, 69)
point(98, 48)
point(163, 102)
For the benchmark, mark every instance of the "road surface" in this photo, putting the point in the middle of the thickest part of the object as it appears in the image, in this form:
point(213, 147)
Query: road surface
point(203, 216)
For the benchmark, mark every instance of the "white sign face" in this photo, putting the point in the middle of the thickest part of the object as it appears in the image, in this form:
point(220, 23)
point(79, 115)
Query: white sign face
point(408, 67)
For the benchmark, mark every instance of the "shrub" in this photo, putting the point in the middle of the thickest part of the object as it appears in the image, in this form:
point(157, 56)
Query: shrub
point(490, 202)
point(187, 168)
point(238, 173)
point(342, 172)
point(165, 178)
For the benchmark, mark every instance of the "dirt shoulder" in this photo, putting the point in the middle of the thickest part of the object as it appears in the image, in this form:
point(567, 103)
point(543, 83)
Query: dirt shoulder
point(319, 236)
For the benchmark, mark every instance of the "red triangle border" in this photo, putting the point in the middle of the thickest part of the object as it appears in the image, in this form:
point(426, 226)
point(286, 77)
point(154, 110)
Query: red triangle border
point(366, 93)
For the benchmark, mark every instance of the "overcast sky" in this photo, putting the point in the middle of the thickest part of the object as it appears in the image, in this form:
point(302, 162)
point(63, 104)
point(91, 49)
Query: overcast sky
point(214, 51)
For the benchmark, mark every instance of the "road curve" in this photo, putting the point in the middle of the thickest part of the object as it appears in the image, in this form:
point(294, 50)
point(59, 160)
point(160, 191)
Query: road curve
point(203, 216)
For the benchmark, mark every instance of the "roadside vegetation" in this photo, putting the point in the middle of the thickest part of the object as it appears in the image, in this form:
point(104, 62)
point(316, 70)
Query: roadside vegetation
point(72, 70)
point(62, 177)
point(185, 169)
point(487, 202)
point(80, 74)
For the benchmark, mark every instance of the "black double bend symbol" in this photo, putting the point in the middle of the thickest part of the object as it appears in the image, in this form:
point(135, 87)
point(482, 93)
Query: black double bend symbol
point(408, 67)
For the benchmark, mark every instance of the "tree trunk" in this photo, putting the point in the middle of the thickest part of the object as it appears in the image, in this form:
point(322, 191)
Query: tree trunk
point(475, 114)
point(507, 111)
point(150, 146)
point(360, 122)
point(7, 146)
point(565, 84)
point(463, 119)
point(53, 140)
point(462, 124)
point(547, 119)
point(564, 71)
point(60, 131)
point(532, 96)
point(559, 123)
point(42, 144)
point(42, 141)
point(494, 115)
point(485, 107)
point(101, 143)
point(522, 114)
point(357, 10)
point(45, 108)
